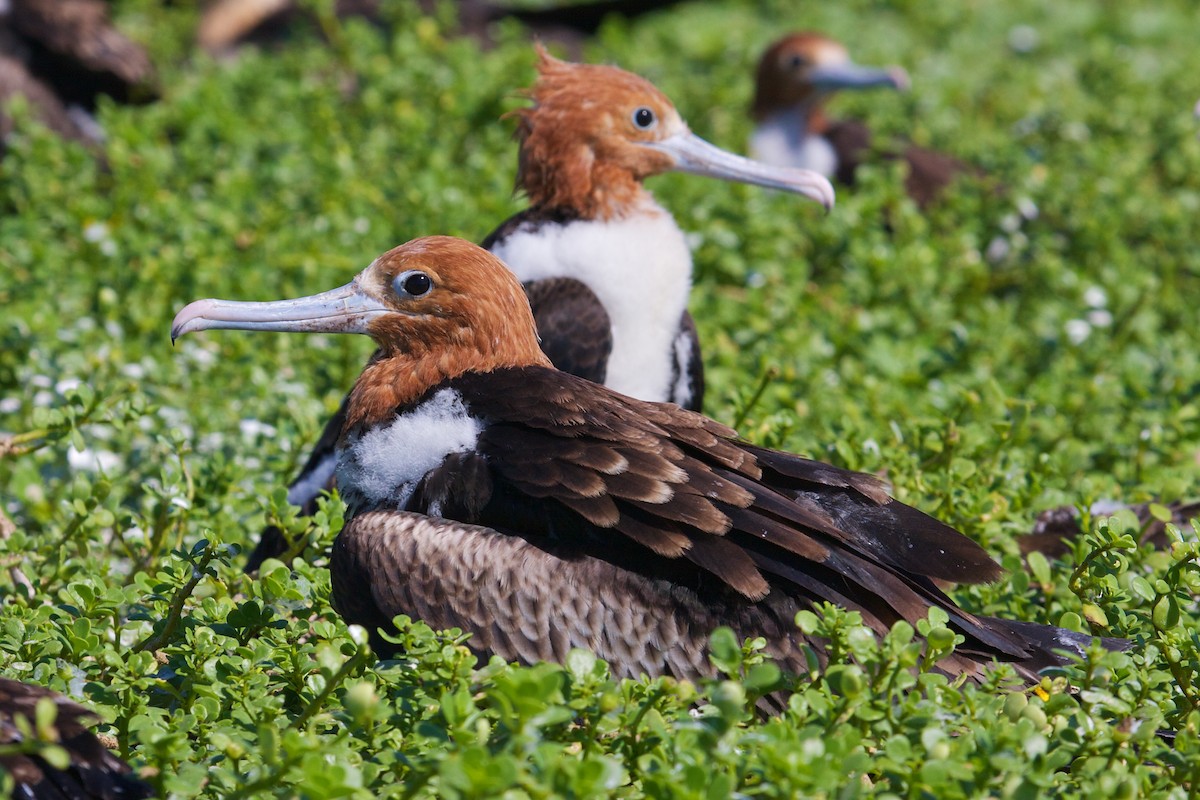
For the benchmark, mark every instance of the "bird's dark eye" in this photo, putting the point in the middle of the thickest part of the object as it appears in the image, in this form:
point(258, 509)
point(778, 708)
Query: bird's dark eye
point(644, 118)
point(413, 283)
point(796, 61)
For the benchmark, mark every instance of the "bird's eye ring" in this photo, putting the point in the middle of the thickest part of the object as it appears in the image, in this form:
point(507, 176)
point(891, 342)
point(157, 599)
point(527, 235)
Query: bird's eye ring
point(412, 283)
point(644, 119)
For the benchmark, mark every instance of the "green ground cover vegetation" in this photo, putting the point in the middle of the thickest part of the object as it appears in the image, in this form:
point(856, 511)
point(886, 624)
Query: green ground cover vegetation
point(1030, 341)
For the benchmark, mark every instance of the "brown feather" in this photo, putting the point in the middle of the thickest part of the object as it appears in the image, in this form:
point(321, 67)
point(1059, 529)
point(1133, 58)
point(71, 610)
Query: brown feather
point(662, 537)
point(690, 510)
point(599, 511)
point(630, 486)
point(774, 532)
point(91, 772)
point(730, 563)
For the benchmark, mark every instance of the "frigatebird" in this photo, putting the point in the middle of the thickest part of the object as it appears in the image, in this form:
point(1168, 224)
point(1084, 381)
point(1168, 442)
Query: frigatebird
point(539, 511)
point(607, 270)
point(795, 78)
point(92, 771)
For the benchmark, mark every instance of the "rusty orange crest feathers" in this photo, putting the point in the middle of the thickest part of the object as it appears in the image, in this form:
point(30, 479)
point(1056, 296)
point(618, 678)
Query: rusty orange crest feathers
point(574, 152)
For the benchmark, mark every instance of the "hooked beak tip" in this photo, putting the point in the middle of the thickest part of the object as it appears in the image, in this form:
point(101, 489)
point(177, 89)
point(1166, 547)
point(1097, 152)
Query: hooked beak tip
point(179, 325)
point(692, 154)
point(824, 194)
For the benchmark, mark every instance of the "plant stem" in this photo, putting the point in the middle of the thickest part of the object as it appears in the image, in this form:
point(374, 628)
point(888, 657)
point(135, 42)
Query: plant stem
point(317, 702)
point(156, 640)
point(764, 380)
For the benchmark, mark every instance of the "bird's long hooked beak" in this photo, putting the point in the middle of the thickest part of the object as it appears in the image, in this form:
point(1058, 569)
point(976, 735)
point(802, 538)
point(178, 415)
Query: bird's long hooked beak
point(346, 309)
point(853, 76)
point(693, 154)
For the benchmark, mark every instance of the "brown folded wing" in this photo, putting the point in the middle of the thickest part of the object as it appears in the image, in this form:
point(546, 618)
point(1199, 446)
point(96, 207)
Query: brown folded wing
point(567, 474)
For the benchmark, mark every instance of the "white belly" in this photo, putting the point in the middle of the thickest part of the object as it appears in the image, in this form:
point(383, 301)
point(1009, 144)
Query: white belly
point(381, 467)
point(784, 140)
point(640, 269)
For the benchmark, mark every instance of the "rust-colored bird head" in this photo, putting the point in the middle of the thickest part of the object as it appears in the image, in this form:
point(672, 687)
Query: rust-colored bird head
point(802, 68)
point(595, 132)
point(438, 307)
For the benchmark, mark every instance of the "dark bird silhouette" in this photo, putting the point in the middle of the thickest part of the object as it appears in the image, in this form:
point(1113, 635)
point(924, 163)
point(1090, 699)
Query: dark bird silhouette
point(227, 24)
point(795, 78)
point(16, 81)
point(1056, 528)
point(540, 512)
point(60, 55)
point(92, 772)
point(72, 46)
point(590, 235)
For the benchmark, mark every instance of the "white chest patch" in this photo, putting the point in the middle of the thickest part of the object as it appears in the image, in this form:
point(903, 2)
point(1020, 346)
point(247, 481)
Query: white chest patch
point(640, 269)
point(384, 465)
point(681, 392)
point(784, 140)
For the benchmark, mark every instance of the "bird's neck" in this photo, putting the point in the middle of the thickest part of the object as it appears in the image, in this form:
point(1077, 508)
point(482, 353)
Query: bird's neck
point(805, 106)
point(399, 375)
point(591, 188)
point(388, 383)
point(811, 117)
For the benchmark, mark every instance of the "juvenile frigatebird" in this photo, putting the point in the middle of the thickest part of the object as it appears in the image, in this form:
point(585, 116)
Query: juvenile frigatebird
point(796, 77)
point(539, 511)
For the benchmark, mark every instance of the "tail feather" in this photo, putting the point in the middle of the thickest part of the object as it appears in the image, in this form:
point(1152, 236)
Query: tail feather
point(876, 524)
point(1051, 646)
point(907, 539)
